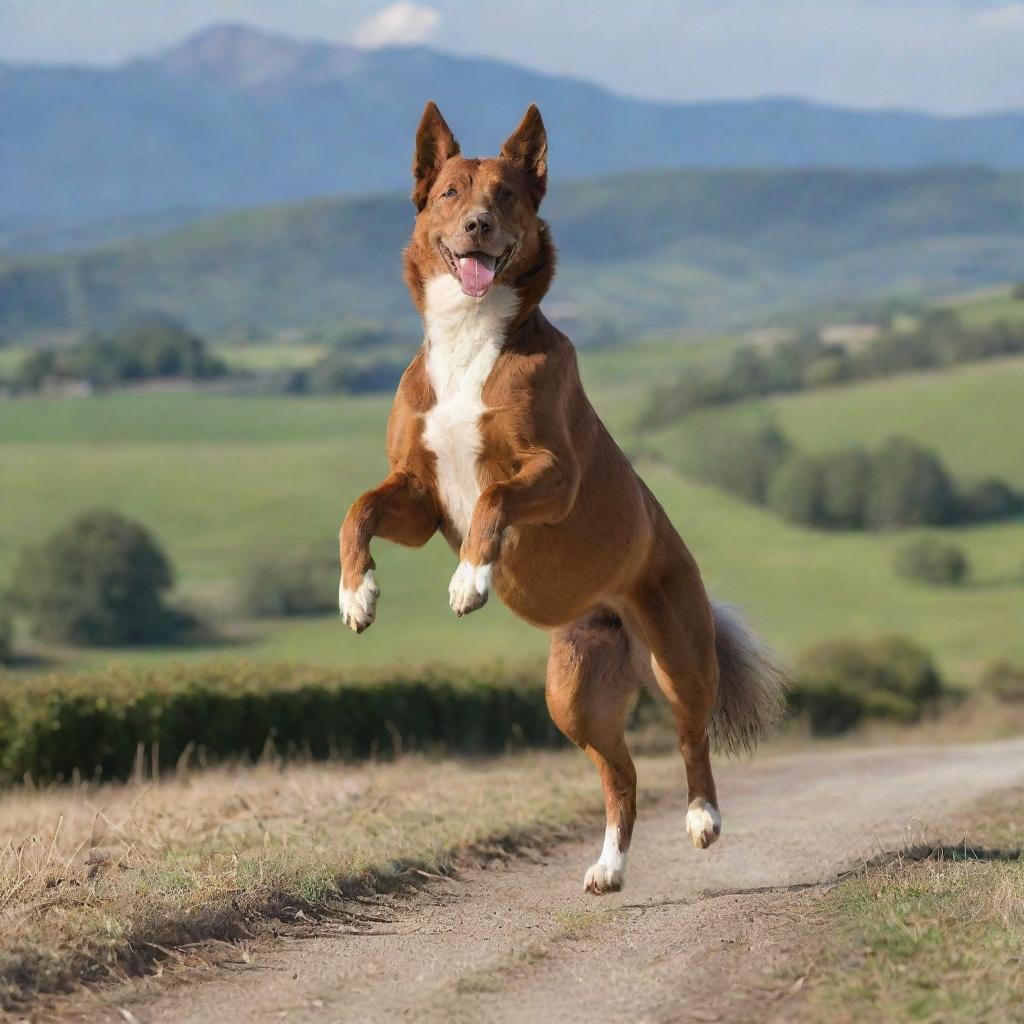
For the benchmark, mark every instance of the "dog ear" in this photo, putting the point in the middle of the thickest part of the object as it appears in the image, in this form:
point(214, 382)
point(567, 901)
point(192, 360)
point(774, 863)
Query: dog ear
point(434, 145)
point(527, 148)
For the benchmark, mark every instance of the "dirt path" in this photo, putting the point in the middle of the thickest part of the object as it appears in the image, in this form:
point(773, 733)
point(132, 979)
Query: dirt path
point(691, 938)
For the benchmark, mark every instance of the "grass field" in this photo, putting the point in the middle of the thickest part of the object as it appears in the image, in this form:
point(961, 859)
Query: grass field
point(805, 583)
point(986, 307)
point(973, 415)
point(270, 356)
point(936, 940)
point(220, 478)
point(11, 357)
point(968, 414)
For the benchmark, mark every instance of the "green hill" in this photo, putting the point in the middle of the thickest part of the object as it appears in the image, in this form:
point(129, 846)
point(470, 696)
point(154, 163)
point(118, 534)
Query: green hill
point(219, 478)
point(660, 249)
point(968, 414)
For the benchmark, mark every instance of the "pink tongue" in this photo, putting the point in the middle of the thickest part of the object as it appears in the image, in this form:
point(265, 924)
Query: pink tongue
point(475, 275)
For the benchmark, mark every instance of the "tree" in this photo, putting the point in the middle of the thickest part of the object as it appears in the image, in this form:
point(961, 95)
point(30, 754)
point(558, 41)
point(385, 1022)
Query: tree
point(845, 479)
point(990, 499)
point(797, 492)
point(337, 373)
point(909, 487)
point(150, 348)
point(100, 580)
point(35, 371)
point(745, 463)
point(932, 561)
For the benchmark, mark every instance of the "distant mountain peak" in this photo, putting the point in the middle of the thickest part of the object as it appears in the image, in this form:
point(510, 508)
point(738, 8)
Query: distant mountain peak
point(244, 57)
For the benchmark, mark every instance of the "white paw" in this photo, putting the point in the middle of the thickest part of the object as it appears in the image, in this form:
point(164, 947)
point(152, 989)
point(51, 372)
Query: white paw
point(609, 873)
point(704, 825)
point(358, 607)
point(601, 878)
point(468, 588)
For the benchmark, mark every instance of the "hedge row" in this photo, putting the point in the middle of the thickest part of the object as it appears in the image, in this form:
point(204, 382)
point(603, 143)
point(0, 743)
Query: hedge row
point(54, 726)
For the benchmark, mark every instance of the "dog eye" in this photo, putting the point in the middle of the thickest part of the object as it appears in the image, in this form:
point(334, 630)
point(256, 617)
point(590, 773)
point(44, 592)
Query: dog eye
point(451, 192)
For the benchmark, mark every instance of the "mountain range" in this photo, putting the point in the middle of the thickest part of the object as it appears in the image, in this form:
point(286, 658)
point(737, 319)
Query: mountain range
point(235, 117)
point(652, 249)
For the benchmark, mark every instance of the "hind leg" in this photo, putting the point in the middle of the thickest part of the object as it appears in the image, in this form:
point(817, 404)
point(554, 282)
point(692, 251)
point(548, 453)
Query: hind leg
point(590, 683)
point(675, 619)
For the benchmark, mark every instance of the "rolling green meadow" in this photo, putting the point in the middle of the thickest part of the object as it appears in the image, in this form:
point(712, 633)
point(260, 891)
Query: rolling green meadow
point(220, 479)
point(803, 323)
point(964, 413)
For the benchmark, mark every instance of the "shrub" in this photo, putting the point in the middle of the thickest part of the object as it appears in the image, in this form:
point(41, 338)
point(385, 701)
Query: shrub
point(279, 584)
point(53, 726)
point(932, 561)
point(909, 487)
point(1003, 680)
point(843, 682)
point(1018, 291)
point(797, 491)
point(99, 580)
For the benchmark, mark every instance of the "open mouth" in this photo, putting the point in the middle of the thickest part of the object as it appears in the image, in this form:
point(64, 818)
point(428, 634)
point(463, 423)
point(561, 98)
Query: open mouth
point(476, 271)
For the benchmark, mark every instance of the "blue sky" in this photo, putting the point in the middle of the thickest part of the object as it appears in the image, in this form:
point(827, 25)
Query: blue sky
point(952, 56)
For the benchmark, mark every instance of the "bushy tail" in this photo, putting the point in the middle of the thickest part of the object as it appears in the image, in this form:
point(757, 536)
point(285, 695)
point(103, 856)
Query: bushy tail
point(751, 687)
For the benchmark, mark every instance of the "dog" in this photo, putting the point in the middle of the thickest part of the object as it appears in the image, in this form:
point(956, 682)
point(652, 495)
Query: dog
point(492, 441)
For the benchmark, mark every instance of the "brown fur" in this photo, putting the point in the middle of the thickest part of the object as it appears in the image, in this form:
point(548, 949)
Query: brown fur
point(579, 544)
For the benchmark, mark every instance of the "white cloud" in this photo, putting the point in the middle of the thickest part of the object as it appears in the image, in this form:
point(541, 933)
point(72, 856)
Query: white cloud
point(954, 56)
point(401, 24)
point(1001, 17)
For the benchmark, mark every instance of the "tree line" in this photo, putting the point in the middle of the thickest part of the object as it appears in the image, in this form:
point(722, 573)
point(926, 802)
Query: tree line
point(940, 339)
point(162, 349)
point(898, 485)
point(141, 352)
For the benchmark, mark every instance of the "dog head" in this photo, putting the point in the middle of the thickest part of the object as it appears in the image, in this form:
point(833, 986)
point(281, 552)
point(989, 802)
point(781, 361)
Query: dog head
point(477, 219)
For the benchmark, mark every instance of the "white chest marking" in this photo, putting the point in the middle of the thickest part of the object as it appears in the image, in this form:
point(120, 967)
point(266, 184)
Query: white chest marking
point(464, 337)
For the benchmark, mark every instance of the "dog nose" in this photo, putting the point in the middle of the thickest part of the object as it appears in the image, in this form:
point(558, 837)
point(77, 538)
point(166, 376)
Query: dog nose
point(478, 223)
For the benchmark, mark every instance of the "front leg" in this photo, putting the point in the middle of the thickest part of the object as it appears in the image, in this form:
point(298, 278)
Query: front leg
point(400, 510)
point(543, 491)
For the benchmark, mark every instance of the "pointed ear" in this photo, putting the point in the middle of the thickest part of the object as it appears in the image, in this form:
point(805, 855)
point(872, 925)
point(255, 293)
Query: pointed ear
point(434, 144)
point(527, 148)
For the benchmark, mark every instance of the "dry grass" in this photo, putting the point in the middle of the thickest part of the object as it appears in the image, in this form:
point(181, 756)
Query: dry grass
point(938, 940)
point(100, 879)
